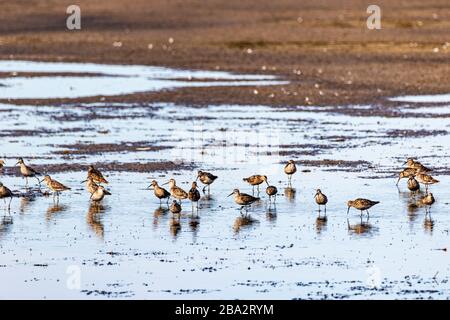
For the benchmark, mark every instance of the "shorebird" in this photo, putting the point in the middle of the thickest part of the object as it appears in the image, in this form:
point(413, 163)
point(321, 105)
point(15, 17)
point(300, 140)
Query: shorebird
point(175, 207)
point(194, 195)
point(243, 199)
point(27, 171)
point(290, 169)
point(321, 199)
point(96, 175)
point(406, 173)
point(411, 163)
point(55, 186)
point(99, 194)
point(426, 180)
point(413, 185)
point(6, 193)
point(175, 191)
point(2, 163)
point(271, 192)
point(160, 192)
point(361, 204)
point(206, 178)
point(427, 201)
point(256, 180)
point(91, 186)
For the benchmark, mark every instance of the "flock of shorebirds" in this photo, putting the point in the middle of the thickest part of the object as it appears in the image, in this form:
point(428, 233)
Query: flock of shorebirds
point(416, 173)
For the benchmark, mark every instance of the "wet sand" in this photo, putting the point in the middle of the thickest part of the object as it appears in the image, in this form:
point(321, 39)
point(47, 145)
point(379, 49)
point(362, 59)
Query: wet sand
point(323, 48)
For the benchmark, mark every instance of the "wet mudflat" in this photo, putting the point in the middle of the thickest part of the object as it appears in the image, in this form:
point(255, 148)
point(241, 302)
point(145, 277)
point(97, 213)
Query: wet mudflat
point(130, 247)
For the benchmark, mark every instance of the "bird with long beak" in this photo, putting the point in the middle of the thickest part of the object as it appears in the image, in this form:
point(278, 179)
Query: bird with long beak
point(206, 178)
point(321, 199)
point(413, 164)
point(255, 180)
point(55, 186)
point(176, 191)
point(194, 195)
point(27, 171)
point(99, 194)
point(290, 169)
point(91, 186)
point(243, 199)
point(6, 193)
point(271, 191)
point(160, 192)
point(426, 180)
point(361, 204)
point(175, 207)
point(413, 184)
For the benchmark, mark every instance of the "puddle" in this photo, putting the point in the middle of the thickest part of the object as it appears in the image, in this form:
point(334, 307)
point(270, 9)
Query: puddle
point(87, 80)
point(130, 247)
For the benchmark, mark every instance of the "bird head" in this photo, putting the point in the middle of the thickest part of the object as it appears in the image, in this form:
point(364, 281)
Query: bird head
point(235, 191)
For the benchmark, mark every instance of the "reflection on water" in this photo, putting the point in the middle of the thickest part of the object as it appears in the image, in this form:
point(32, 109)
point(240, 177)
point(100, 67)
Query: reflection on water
point(158, 214)
point(271, 213)
point(6, 223)
point(25, 204)
point(94, 218)
point(243, 222)
point(55, 209)
point(290, 193)
point(321, 223)
point(428, 224)
point(194, 223)
point(175, 226)
point(361, 228)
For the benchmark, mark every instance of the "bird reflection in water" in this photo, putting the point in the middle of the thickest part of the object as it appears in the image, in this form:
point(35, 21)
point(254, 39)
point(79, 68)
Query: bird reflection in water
point(321, 223)
point(158, 214)
point(271, 213)
point(290, 193)
point(428, 224)
point(194, 223)
point(364, 227)
point(175, 225)
point(25, 204)
point(5, 225)
point(243, 221)
point(94, 218)
point(54, 209)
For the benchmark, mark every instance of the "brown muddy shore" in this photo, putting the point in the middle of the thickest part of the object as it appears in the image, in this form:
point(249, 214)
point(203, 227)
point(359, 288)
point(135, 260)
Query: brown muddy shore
point(322, 47)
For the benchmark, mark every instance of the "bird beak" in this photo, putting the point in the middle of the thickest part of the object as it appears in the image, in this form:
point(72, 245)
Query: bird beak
point(165, 183)
point(397, 182)
point(230, 194)
point(107, 192)
point(16, 163)
point(267, 183)
point(83, 181)
point(348, 210)
point(40, 181)
point(196, 179)
point(405, 163)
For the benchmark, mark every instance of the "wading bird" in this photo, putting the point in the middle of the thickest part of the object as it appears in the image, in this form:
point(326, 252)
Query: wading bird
point(194, 195)
point(27, 171)
point(96, 175)
point(176, 191)
point(55, 186)
point(6, 193)
point(243, 199)
point(255, 180)
point(290, 169)
point(321, 199)
point(361, 204)
point(206, 178)
point(160, 192)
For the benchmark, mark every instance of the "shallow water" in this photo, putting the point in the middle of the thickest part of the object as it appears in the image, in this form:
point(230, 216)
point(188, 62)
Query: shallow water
point(128, 247)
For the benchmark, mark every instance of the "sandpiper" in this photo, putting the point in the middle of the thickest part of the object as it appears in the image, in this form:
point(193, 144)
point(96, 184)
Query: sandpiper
point(96, 175)
point(175, 191)
point(290, 169)
point(271, 192)
point(413, 184)
point(91, 186)
point(427, 201)
point(2, 163)
point(99, 194)
point(426, 180)
point(243, 199)
point(406, 173)
point(175, 207)
point(361, 204)
point(6, 193)
point(411, 163)
point(206, 178)
point(160, 192)
point(194, 195)
point(256, 180)
point(321, 199)
point(55, 186)
point(27, 171)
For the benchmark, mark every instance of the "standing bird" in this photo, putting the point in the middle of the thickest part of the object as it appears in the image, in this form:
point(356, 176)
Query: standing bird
point(428, 200)
point(206, 178)
point(6, 193)
point(426, 180)
point(411, 163)
point(99, 194)
point(91, 186)
point(290, 169)
point(413, 184)
point(2, 163)
point(96, 175)
point(55, 186)
point(175, 207)
point(321, 199)
point(27, 171)
point(271, 192)
point(175, 191)
point(361, 204)
point(194, 195)
point(160, 192)
point(406, 173)
point(256, 180)
point(243, 199)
